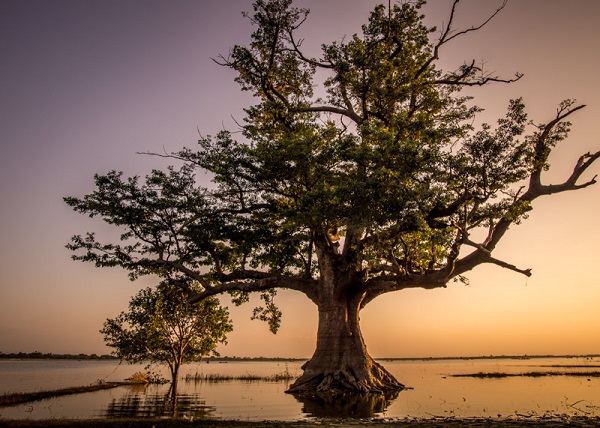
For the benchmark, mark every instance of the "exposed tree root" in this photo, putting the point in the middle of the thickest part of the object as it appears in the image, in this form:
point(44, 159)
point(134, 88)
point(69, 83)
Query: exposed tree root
point(378, 381)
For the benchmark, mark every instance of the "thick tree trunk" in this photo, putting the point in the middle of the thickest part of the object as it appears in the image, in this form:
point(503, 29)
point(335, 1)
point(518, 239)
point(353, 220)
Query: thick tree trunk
point(341, 362)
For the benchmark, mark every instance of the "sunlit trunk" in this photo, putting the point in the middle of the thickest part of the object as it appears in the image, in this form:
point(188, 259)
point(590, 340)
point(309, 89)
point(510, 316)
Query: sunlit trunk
point(341, 362)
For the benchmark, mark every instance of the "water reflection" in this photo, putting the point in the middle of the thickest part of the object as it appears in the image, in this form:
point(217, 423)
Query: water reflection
point(139, 402)
point(345, 405)
point(149, 402)
point(436, 393)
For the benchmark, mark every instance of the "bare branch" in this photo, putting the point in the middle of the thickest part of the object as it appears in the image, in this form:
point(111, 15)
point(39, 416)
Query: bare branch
point(481, 256)
point(473, 28)
point(484, 80)
point(541, 151)
point(313, 62)
point(526, 272)
point(571, 184)
point(448, 35)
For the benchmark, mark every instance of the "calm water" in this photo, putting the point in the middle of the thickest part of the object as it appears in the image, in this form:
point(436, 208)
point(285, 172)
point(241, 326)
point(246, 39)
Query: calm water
point(435, 393)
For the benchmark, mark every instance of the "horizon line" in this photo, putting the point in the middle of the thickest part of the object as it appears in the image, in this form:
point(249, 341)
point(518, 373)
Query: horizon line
point(50, 355)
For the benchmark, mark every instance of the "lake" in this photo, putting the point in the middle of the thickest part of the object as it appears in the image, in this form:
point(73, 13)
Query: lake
point(435, 391)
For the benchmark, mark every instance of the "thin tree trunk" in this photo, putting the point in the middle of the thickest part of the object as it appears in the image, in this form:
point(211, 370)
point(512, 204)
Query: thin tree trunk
point(171, 398)
point(174, 379)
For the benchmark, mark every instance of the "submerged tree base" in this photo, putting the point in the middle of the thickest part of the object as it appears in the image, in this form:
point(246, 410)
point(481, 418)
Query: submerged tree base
point(343, 382)
point(340, 373)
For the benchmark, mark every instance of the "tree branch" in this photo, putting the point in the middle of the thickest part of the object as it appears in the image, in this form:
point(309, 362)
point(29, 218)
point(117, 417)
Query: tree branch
point(473, 28)
point(444, 211)
point(541, 149)
point(306, 286)
point(481, 256)
point(178, 267)
point(484, 80)
point(298, 52)
point(526, 272)
point(582, 164)
point(389, 283)
point(447, 35)
point(536, 188)
point(330, 109)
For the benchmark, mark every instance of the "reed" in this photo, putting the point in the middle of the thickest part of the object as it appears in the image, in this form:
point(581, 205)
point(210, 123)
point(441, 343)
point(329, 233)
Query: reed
point(492, 375)
point(197, 377)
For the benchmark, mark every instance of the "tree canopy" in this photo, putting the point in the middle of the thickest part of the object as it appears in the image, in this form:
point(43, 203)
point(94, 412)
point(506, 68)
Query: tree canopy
point(358, 172)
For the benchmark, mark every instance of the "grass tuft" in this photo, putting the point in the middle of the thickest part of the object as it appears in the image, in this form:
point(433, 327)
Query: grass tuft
point(214, 378)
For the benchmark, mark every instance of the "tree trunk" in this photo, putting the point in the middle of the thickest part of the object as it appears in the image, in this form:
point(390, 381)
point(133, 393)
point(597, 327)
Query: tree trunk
point(341, 362)
point(174, 379)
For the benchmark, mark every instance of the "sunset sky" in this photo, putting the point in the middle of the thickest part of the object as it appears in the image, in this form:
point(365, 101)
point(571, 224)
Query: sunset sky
point(85, 84)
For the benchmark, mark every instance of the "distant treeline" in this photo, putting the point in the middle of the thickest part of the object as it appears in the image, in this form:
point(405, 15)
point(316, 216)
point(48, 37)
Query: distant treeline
point(488, 357)
point(479, 357)
point(48, 356)
point(226, 359)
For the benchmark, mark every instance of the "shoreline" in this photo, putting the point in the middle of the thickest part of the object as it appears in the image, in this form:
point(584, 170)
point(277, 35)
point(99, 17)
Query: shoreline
point(16, 399)
point(550, 422)
point(21, 356)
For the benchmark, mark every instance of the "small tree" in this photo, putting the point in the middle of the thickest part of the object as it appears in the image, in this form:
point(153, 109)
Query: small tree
point(162, 327)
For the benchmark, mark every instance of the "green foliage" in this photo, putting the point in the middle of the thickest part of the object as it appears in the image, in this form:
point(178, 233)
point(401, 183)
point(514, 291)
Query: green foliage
point(380, 177)
point(162, 327)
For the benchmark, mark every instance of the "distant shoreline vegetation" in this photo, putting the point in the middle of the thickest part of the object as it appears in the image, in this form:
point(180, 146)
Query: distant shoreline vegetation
point(50, 356)
point(489, 357)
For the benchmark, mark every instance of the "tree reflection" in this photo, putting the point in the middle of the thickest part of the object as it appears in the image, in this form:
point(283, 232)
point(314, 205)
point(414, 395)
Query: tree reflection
point(138, 403)
point(329, 405)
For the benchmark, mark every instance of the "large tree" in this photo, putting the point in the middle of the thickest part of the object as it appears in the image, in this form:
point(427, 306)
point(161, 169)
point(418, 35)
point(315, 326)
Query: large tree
point(377, 184)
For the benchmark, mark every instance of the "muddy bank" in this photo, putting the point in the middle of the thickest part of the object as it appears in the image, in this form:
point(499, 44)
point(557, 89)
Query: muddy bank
point(26, 397)
point(414, 423)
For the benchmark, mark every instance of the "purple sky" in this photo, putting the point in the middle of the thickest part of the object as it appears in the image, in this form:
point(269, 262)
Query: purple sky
point(84, 85)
